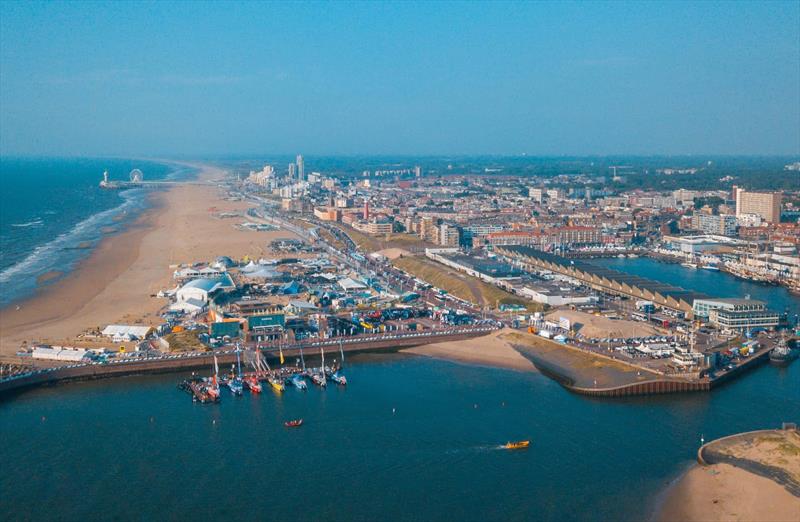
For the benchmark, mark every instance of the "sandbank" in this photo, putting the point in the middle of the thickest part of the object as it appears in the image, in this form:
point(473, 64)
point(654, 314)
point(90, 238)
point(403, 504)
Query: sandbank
point(490, 350)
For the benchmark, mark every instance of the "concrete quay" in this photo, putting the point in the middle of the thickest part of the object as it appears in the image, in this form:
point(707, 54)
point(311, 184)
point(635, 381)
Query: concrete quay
point(196, 360)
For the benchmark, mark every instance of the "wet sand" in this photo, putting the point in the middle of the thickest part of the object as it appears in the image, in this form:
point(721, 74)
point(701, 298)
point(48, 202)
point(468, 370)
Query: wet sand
point(490, 350)
point(116, 282)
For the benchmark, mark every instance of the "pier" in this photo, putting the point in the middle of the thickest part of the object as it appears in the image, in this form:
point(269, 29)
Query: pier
point(136, 180)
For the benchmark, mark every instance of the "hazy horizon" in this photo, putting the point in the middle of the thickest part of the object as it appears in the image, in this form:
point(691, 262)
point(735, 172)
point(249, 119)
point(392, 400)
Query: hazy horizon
point(400, 79)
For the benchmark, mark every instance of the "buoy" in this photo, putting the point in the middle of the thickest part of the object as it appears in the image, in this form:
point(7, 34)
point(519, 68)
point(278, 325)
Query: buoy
point(393, 410)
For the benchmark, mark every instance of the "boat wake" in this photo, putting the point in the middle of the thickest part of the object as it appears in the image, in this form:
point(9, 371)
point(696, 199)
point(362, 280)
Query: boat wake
point(35, 223)
point(485, 448)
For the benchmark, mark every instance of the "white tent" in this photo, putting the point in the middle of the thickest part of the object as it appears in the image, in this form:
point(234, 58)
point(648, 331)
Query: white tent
point(349, 284)
point(249, 267)
point(262, 273)
point(124, 330)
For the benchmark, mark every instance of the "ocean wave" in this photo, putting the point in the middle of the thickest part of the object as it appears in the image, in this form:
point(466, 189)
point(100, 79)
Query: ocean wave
point(59, 253)
point(35, 223)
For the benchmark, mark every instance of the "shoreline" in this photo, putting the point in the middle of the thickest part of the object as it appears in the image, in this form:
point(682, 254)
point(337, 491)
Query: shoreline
point(492, 351)
point(117, 281)
point(55, 300)
point(745, 476)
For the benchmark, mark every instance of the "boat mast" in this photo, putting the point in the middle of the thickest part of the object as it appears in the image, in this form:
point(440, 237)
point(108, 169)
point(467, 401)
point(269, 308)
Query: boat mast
point(322, 369)
point(302, 359)
point(238, 360)
point(216, 369)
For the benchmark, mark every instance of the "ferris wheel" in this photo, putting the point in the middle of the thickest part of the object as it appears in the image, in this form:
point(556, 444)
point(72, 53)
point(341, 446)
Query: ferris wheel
point(136, 176)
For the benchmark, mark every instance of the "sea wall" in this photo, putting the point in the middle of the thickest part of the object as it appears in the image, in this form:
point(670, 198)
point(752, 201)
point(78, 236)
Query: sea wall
point(190, 361)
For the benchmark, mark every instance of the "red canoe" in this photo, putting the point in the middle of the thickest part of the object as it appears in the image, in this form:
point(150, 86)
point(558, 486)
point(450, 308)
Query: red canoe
point(293, 423)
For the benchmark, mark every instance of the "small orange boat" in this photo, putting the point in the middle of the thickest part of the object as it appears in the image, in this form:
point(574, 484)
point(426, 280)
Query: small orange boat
point(293, 423)
point(522, 444)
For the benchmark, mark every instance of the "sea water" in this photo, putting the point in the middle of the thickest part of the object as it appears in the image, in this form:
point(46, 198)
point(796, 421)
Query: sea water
point(53, 213)
point(408, 439)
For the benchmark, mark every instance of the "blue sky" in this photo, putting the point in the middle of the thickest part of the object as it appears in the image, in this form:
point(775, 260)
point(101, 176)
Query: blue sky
point(202, 79)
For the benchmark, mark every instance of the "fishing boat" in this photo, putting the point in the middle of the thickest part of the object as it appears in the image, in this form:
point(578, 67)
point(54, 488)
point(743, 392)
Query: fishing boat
point(293, 423)
point(711, 267)
point(782, 354)
point(689, 265)
point(521, 444)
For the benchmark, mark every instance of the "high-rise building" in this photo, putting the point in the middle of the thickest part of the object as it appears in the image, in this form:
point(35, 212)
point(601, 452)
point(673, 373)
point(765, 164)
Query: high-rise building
point(536, 194)
point(427, 228)
point(418, 171)
point(764, 204)
point(292, 170)
point(301, 170)
point(449, 235)
point(721, 225)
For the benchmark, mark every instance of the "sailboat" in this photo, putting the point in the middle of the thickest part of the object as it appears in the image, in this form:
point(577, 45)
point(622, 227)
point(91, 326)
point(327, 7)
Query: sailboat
point(252, 380)
point(235, 383)
point(213, 389)
point(318, 378)
point(337, 377)
point(298, 382)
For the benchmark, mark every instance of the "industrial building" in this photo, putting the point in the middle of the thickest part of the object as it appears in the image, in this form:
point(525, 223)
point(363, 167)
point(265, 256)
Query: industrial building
point(606, 280)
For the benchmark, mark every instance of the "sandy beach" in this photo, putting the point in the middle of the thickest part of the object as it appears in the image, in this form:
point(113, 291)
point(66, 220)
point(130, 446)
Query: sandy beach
point(116, 282)
point(490, 350)
point(723, 493)
point(767, 490)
